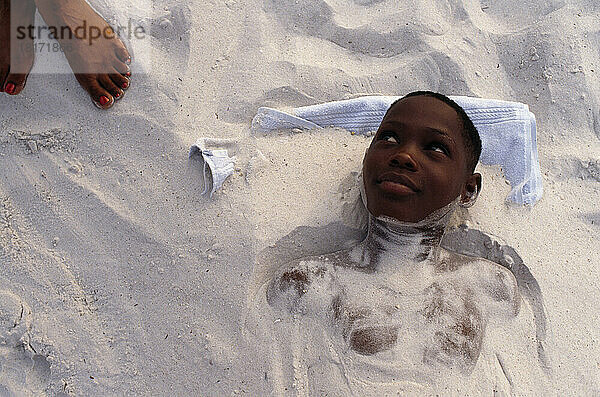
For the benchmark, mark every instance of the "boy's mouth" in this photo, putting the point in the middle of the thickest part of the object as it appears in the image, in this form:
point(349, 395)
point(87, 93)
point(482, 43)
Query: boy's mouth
point(397, 183)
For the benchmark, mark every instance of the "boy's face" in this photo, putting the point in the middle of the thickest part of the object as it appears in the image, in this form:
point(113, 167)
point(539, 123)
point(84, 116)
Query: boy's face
point(417, 162)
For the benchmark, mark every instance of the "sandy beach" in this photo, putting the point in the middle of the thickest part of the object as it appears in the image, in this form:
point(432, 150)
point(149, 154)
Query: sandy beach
point(119, 278)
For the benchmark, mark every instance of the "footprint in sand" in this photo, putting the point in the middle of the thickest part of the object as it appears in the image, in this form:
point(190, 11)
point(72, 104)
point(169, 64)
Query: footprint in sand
point(52, 140)
point(171, 35)
point(22, 370)
point(317, 18)
point(500, 16)
point(172, 32)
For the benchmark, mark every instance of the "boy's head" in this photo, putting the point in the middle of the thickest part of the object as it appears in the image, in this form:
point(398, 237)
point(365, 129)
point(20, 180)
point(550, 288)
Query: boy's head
point(422, 158)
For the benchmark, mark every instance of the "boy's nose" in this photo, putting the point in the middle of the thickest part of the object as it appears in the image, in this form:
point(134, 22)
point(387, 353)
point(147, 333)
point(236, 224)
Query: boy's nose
point(404, 159)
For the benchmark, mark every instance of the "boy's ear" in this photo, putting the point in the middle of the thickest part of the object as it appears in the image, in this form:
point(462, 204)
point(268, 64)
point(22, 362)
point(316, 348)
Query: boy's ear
point(470, 190)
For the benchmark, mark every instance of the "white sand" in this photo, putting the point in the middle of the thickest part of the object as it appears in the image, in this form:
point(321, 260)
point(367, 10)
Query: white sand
point(122, 280)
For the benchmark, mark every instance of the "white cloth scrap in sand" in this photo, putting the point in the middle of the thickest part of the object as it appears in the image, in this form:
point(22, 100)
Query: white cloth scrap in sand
point(507, 130)
point(216, 163)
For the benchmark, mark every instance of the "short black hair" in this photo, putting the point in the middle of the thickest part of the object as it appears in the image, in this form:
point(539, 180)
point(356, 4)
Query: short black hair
point(469, 131)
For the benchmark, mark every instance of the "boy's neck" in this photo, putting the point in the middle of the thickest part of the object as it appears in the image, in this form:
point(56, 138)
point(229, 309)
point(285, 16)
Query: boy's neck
point(391, 243)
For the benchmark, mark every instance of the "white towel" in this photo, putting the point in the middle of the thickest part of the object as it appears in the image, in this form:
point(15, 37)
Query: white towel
point(507, 130)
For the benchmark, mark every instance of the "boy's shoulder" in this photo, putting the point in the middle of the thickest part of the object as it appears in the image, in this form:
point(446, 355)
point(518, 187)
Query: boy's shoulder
point(492, 281)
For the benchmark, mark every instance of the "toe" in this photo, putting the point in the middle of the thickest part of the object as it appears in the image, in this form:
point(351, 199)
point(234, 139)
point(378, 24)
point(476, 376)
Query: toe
point(14, 83)
point(122, 53)
point(122, 68)
point(110, 86)
point(120, 81)
point(100, 96)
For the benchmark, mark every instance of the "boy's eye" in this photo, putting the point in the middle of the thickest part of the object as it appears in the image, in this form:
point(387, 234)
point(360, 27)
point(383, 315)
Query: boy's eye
point(440, 148)
point(388, 137)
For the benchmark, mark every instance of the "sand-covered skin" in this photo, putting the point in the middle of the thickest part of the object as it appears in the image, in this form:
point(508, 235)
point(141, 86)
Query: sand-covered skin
point(131, 283)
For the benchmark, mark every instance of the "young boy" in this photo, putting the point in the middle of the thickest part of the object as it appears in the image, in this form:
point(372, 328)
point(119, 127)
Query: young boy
point(398, 314)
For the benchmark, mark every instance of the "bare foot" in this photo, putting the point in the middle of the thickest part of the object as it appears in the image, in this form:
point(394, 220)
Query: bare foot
point(100, 64)
point(14, 72)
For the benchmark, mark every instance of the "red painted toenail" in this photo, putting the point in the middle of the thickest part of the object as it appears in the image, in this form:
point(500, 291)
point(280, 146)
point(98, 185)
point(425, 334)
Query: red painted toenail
point(10, 88)
point(104, 100)
point(117, 94)
point(125, 85)
point(128, 60)
point(128, 74)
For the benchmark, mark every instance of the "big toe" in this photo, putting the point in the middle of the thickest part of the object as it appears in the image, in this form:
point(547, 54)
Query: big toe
point(122, 53)
point(99, 95)
point(15, 83)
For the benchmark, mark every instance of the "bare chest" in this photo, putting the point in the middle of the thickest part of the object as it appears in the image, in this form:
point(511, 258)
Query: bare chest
point(438, 323)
